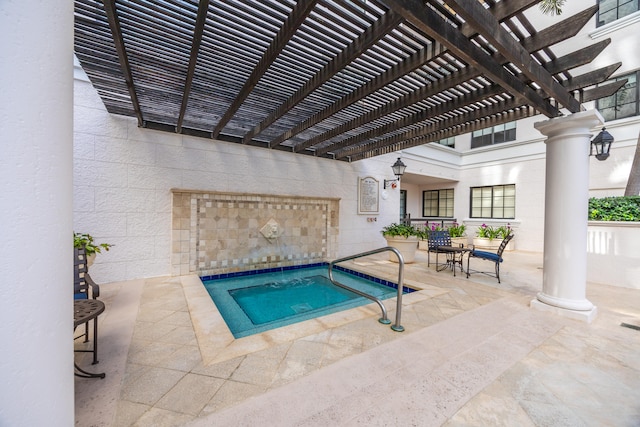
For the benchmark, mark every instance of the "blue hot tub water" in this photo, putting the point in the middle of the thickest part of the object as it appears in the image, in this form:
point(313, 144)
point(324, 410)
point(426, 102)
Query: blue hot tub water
point(256, 303)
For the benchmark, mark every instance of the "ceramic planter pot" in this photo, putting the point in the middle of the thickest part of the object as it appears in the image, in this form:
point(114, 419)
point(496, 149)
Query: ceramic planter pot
point(406, 246)
point(90, 259)
point(457, 241)
point(490, 244)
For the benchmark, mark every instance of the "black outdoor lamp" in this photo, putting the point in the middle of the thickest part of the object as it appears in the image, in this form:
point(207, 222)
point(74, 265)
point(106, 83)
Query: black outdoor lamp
point(601, 143)
point(398, 170)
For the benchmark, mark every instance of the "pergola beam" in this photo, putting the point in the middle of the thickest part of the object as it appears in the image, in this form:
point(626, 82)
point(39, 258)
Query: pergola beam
point(412, 119)
point(560, 31)
point(116, 33)
point(577, 58)
point(370, 36)
point(201, 18)
point(476, 119)
point(505, 117)
point(485, 24)
point(393, 106)
point(300, 11)
point(591, 78)
point(502, 10)
point(429, 22)
point(603, 90)
point(420, 58)
point(560, 65)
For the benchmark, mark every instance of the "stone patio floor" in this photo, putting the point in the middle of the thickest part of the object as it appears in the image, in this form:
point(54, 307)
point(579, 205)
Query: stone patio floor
point(472, 354)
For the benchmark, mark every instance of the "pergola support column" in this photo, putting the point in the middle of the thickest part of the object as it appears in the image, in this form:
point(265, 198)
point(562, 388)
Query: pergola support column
point(566, 215)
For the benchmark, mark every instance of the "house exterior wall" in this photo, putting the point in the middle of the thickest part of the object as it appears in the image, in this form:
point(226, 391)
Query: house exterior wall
point(528, 176)
point(521, 162)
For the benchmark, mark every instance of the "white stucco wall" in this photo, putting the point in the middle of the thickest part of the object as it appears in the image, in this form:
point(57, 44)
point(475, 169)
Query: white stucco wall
point(520, 162)
point(613, 253)
point(609, 178)
point(123, 175)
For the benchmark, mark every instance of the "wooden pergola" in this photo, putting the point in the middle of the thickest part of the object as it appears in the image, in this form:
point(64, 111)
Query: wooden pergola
point(340, 79)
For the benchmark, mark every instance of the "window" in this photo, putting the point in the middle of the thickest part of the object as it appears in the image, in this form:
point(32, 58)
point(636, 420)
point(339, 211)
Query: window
point(493, 135)
point(403, 204)
point(448, 142)
point(611, 10)
point(623, 103)
point(498, 201)
point(437, 203)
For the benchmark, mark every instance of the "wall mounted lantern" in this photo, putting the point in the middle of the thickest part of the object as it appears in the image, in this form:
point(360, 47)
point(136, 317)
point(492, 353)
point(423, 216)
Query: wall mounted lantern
point(601, 144)
point(398, 170)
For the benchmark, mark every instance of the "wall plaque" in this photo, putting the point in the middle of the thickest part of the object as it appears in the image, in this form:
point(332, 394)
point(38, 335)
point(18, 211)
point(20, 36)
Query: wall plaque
point(368, 195)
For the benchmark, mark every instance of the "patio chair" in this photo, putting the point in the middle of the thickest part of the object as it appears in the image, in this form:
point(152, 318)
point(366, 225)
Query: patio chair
point(436, 239)
point(83, 285)
point(494, 257)
point(86, 307)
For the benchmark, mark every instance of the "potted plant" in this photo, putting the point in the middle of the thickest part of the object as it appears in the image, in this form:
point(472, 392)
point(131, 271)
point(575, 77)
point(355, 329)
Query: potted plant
point(503, 232)
point(423, 244)
point(485, 235)
point(457, 233)
point(91, 248)
point(404, 238)
point(489, 237)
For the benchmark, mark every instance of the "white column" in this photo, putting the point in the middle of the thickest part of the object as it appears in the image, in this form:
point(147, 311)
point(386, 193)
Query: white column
point(566, 215)
point(36, 133)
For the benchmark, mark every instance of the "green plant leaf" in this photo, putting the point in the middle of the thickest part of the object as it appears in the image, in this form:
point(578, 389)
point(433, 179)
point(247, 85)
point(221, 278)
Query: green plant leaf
point(404, 230)
point(86, 240)
point(615, 208)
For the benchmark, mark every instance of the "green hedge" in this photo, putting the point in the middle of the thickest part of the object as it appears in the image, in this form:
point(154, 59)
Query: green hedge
point(615, 209)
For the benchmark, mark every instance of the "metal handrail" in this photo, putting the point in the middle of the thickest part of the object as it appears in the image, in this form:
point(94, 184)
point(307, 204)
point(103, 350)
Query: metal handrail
point(384, 319)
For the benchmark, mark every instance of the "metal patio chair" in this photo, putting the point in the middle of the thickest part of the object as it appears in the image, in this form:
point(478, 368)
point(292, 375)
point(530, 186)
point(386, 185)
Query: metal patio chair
point(494, 257)
point(83, 285)
point(86, 308)
point(436, 239)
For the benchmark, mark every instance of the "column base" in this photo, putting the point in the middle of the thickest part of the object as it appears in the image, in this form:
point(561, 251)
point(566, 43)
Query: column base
point(569, 304)
point(582, 315)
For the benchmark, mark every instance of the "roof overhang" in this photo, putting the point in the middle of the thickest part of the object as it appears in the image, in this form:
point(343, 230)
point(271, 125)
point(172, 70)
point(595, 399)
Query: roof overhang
point(347, 80)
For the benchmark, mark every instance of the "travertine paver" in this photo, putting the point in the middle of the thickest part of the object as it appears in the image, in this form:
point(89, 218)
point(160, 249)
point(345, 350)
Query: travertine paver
point(149, 384)
point(191, 394)
point(420, 379)
point(507, 364)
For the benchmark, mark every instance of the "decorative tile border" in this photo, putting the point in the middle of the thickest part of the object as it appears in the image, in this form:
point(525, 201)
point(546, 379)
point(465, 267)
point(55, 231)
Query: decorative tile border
point(366, 276)
point(405, 289)
point(221, 233)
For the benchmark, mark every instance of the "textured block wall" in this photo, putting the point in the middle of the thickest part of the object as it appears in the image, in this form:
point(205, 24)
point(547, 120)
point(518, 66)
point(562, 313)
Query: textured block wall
point(123, 176)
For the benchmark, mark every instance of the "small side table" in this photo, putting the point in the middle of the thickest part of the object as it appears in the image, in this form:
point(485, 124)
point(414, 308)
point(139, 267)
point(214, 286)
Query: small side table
point(454, 254)
point(84, 311)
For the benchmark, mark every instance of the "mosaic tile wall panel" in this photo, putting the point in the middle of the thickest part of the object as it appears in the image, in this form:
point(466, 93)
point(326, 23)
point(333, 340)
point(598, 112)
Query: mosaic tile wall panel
point(216, 233)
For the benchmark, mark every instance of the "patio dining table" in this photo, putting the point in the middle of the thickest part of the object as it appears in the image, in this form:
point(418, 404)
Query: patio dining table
point(84, 311)
point(455, 255)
